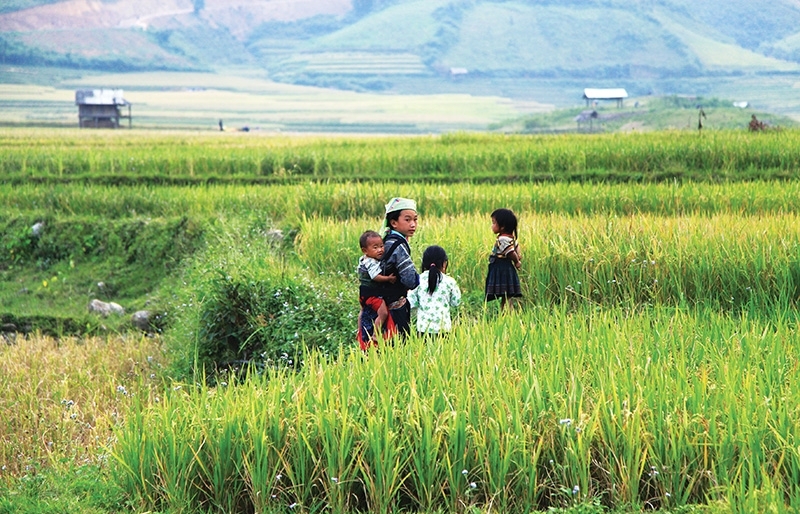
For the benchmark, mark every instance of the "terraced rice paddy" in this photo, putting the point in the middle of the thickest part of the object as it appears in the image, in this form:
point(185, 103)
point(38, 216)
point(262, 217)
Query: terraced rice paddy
point(653, 363)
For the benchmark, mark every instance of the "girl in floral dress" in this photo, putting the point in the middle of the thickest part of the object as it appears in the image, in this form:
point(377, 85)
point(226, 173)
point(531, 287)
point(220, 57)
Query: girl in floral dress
point(436, 294)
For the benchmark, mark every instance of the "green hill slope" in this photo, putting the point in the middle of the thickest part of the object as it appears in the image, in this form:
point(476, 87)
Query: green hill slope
point(595, 39)
point(552, 40)
point(545, 51)
point(590, 38)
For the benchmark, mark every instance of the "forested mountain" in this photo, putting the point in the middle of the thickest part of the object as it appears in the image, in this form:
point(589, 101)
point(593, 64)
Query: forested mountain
point(375, 43)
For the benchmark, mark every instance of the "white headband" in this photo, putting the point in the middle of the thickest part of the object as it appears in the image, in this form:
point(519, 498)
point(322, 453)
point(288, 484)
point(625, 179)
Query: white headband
point(400, 204)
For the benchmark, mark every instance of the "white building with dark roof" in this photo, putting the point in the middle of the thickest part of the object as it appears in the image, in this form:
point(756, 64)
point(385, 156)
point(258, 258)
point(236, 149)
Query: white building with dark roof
point(596, 94)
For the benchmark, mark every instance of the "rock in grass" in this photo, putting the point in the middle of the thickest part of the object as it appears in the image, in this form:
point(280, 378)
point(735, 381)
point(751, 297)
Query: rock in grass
point(105, 308)
point(37, 228)
point(9, 333)
point(141, 320)
point(275, 236)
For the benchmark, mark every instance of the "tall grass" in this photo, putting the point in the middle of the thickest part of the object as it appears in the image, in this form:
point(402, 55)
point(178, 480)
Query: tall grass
point(62, 398)
point(286, 204)
point(726, 260)
point(170, 159)
point(659, 409)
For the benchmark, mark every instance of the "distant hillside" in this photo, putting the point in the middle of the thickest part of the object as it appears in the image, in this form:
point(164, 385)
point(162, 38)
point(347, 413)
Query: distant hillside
point(18, 5)
point(647, 114)
point(125, 35)
point(482, 47)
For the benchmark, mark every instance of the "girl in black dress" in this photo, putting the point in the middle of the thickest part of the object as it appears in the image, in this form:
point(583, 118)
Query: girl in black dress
point(502, 280)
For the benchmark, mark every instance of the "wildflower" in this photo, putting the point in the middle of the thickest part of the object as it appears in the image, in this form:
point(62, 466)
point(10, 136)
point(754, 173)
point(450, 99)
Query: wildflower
point(565, 421)
point(464, 472)
point(576, 490)
point(121, 389)
point(278, 477)
point(334, 480)
point(473, 485)
point(293, 505)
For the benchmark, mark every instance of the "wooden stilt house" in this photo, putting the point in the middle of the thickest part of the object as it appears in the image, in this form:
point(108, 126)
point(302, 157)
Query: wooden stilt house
point(102, 108)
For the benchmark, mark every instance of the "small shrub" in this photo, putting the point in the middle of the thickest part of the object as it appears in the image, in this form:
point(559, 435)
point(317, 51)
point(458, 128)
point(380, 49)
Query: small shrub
point(18, 240)
point(269, 323)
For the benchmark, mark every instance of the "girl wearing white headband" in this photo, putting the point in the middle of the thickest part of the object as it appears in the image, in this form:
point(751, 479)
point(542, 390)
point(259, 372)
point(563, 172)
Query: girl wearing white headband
point(399, 225)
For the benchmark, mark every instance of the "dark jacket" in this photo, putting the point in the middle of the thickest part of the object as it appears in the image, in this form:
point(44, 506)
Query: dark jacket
point(397, 261)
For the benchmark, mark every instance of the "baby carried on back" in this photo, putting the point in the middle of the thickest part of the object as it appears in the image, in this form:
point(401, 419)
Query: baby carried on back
point(381, 272)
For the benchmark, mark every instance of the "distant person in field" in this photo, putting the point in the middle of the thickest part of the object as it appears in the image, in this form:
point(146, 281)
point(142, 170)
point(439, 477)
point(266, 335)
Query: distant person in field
point(756, 125)
point(436, 294)
point(374, 314)
point(398, 227)
point(502, 279)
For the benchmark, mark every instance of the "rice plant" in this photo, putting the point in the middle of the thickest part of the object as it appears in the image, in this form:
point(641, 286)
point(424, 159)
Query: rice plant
point(732, 261)
point(652, 366)
point(661, 409)
point(63, 397)
point(159, 159)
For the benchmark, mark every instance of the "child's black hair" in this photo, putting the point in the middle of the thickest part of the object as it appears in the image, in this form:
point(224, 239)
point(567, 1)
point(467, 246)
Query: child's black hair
point(366, 236)
point(506, 220)
point(434, 259)
point(390, 217)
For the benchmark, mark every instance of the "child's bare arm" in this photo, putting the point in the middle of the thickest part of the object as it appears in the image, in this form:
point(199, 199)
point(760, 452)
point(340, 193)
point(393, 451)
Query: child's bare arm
point(385, 278)
point(515, 258)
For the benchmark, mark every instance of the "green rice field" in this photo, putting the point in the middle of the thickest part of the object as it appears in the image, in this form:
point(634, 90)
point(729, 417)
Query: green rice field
point(652, 364)
point(151, 157)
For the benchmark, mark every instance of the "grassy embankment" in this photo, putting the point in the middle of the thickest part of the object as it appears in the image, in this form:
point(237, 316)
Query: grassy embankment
point(651, 364)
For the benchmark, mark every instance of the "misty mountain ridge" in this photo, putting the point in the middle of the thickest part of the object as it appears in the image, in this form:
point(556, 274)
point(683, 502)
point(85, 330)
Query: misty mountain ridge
point(375, 43)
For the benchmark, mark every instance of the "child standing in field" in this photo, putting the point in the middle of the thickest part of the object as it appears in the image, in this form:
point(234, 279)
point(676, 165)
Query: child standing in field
point(399, 226)
point(502, 280)
point(436, 294)
point(374, 313)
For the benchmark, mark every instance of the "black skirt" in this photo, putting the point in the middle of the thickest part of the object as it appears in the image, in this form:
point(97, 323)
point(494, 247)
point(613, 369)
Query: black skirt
point(502, 281)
